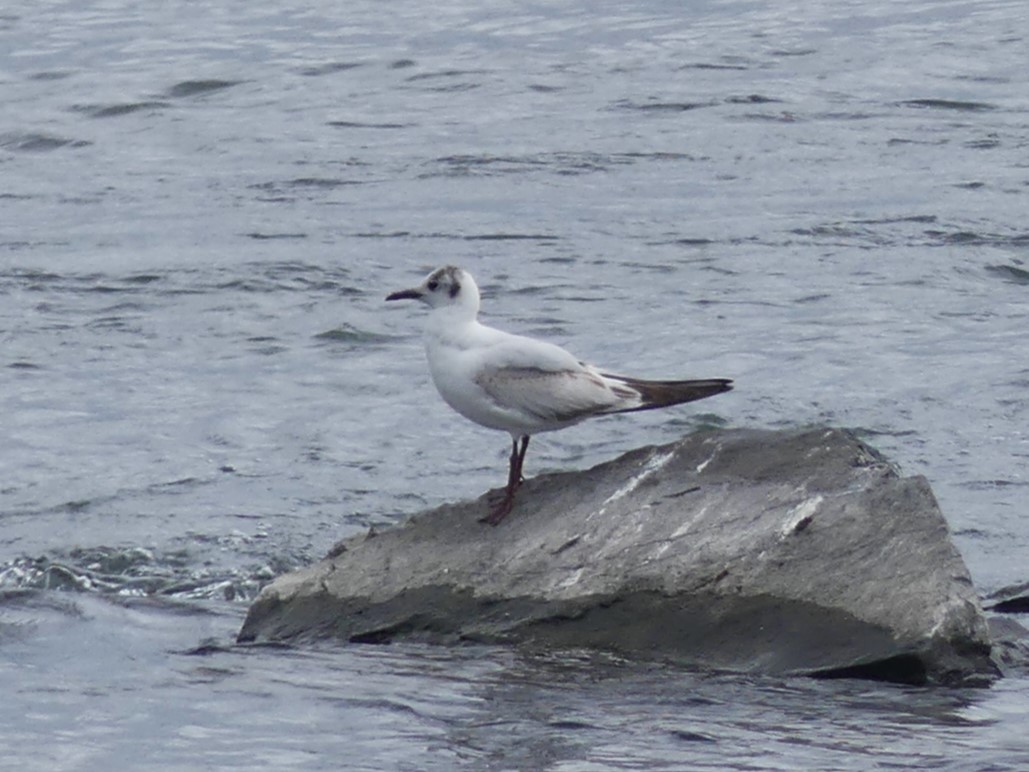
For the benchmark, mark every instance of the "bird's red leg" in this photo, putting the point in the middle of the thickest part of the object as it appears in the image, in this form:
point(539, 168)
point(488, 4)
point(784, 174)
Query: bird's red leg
point(514, 479)
point(521, 459)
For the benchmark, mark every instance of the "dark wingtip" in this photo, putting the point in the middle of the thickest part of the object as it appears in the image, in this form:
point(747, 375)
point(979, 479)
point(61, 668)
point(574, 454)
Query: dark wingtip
point(655, 394)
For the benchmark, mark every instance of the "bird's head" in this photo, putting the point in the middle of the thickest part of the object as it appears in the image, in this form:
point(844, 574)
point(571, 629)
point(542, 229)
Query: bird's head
point(448, 286)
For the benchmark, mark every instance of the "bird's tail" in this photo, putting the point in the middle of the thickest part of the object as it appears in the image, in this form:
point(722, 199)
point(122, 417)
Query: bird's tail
point(655, 394)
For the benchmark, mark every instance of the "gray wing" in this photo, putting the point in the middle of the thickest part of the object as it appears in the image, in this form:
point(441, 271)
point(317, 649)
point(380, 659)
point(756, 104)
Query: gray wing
point(554, 396)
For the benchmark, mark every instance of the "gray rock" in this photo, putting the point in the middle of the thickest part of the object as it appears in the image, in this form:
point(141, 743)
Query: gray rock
point(798, 552)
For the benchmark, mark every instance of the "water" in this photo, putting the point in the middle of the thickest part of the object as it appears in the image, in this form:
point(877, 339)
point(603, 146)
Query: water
point(202, 208)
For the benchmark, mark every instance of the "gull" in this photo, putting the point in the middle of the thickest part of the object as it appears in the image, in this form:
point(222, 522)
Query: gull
point(522, 385)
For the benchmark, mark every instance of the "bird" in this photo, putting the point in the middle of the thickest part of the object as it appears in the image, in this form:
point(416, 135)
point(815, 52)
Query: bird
point(522, 385)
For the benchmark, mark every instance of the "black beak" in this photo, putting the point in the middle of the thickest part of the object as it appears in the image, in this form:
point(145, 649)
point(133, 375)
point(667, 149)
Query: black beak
point(408, 294)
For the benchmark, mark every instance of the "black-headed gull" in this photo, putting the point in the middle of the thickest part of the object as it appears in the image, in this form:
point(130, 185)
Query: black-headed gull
point(521, 385)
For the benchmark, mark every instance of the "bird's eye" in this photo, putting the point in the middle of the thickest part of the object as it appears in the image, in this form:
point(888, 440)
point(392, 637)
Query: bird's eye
point(433, 285)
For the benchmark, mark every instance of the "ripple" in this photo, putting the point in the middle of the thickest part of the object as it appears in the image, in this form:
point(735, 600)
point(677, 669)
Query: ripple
point(560, 162)
point(751, 99)
point(959, 236)
point(948, 104)
point(510, 237)
point(329, 68)
point(188, 88)
point(36, 142)
point(306, 182)
point(1011, 599)
point(988, 143)
point(144, 278)
point(794, 52)
point(116, 110)
point(383, 235)
point(714, 66)
point(660, 107)
point(979, 485)
point(48, 75)
point(687, 735)
point(346, 333)
point(285, 190)
point(269, 236)
point(1010, 273)
point(367, 125)
point(447, 81)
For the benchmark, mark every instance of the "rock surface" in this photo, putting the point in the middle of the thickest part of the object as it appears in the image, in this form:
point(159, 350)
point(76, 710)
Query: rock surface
point(799, 552)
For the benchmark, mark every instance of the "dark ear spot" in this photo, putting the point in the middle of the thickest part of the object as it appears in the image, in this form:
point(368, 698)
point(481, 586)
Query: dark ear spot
point(455, 288)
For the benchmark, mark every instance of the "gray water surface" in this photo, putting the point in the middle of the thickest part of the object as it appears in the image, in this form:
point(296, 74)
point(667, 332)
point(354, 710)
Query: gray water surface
point(202, 207)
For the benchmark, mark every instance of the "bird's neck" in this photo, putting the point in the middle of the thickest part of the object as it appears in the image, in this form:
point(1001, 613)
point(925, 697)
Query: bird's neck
point(451, 322)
